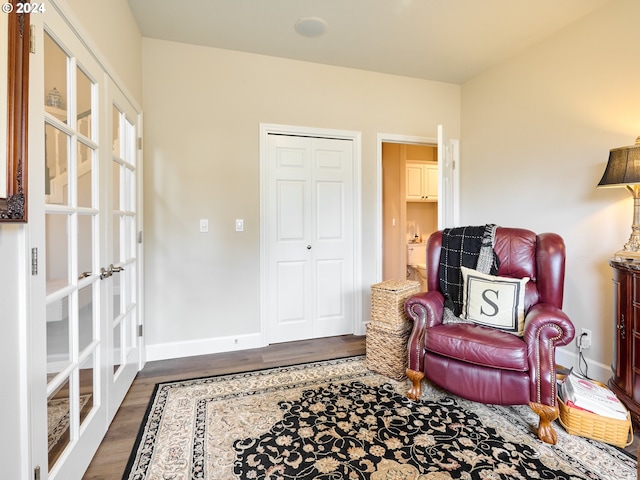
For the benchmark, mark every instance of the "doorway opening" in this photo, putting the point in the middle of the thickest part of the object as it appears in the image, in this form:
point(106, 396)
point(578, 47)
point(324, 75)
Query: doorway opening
point(413, 182)
point(409, 213)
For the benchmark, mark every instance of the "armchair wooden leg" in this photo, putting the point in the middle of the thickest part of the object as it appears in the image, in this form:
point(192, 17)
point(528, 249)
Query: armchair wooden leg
point(415, 392)
point(547, 414)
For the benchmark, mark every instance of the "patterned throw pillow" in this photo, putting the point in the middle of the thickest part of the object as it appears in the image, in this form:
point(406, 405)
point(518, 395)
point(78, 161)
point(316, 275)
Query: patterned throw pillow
point(491, 301)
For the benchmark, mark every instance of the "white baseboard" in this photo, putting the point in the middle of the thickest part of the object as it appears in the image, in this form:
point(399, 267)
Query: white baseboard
point(165, 351)
point(361, 329)
point(596, 370)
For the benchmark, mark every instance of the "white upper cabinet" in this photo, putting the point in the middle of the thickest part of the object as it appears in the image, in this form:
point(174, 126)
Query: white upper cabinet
point(422, 182)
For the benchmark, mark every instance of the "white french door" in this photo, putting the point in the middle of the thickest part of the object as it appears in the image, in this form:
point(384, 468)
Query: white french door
point(310, 237)
point(123, 252)
point(83, 228)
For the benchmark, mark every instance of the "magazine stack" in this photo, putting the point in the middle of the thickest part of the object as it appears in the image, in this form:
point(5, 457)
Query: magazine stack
point(589, 409)
point(587, 395)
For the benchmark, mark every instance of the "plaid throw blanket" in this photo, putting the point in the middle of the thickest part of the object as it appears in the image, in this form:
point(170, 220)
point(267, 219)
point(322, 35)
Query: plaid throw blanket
point(470, 247)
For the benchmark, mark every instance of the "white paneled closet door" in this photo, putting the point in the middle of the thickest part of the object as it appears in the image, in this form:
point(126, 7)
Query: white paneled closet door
point(83, 303)
point(310, 240)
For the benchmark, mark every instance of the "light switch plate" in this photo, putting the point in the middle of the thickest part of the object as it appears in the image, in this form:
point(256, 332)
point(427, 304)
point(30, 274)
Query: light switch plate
point(239, 225)
point(204, 225)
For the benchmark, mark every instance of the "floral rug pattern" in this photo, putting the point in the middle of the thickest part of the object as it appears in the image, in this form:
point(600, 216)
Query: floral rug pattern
point(354, 431)
point(338, 420)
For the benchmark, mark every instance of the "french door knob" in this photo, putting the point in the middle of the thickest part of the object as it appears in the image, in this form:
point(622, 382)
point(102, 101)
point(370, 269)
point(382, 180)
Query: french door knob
point(106, 273)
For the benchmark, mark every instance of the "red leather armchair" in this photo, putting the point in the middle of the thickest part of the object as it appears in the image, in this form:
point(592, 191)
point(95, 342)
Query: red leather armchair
point(487, 365)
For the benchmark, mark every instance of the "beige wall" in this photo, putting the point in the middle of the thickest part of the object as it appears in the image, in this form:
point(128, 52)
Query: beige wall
point(114, 31)
point(203, 108)
point(536, 133)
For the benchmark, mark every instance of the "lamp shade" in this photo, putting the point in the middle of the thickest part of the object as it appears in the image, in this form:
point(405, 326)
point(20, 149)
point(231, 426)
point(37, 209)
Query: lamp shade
point(623, 167)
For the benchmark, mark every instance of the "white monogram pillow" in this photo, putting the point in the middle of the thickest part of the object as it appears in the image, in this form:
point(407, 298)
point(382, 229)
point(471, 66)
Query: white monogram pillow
point(496, 302)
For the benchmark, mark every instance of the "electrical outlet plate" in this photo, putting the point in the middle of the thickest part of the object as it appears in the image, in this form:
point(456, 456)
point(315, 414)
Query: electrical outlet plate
point(584, 340)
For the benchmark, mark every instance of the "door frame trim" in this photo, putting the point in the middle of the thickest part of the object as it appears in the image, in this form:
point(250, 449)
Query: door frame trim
point(292, 130)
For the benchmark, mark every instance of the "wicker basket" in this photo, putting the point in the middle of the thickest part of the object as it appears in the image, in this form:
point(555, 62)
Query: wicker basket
point(386, 349)
point(387, 301)
point(587, 424)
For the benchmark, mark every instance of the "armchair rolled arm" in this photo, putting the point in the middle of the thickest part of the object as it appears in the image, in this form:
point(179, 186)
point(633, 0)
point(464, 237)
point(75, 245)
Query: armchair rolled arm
point(546, 327)
point(425, 310)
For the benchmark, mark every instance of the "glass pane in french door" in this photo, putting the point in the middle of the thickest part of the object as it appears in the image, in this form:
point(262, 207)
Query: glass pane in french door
point(88, 368)
point(115, 191)
point(84, 100)
point(59, 415)
point(86, 242)
point(72, 247)
point(117, 345)
point(56, 81)
point(84, 168)
point(57, 143)
point(57, 251)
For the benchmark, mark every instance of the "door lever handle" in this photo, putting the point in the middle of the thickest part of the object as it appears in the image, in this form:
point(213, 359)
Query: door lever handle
point(105, 273)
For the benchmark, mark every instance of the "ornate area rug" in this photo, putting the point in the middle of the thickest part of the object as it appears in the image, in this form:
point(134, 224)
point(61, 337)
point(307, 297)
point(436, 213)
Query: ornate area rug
point(338, 420)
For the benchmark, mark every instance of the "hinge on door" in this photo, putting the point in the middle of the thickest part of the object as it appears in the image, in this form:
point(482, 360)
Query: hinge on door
point(34, 261)
point(36, 473)
point(32, 38)
point(139, 143)
point(140, 236)
point(139, 330)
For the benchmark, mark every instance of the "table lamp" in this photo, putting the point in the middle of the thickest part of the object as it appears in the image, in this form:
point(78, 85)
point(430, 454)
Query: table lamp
point(623, 170)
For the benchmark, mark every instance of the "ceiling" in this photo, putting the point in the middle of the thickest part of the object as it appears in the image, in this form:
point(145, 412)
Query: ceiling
point(442, 40)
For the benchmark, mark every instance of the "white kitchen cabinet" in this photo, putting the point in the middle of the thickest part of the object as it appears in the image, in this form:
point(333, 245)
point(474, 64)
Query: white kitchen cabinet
point(422, 182)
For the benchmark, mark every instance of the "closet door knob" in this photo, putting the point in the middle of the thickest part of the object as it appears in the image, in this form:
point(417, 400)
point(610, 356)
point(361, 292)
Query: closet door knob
point(308, 247)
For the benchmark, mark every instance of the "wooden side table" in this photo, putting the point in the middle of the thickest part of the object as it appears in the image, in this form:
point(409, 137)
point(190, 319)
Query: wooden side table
point(625, 369)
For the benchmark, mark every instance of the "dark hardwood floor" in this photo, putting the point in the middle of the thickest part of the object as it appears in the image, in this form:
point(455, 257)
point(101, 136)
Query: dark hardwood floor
point(111, 458)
